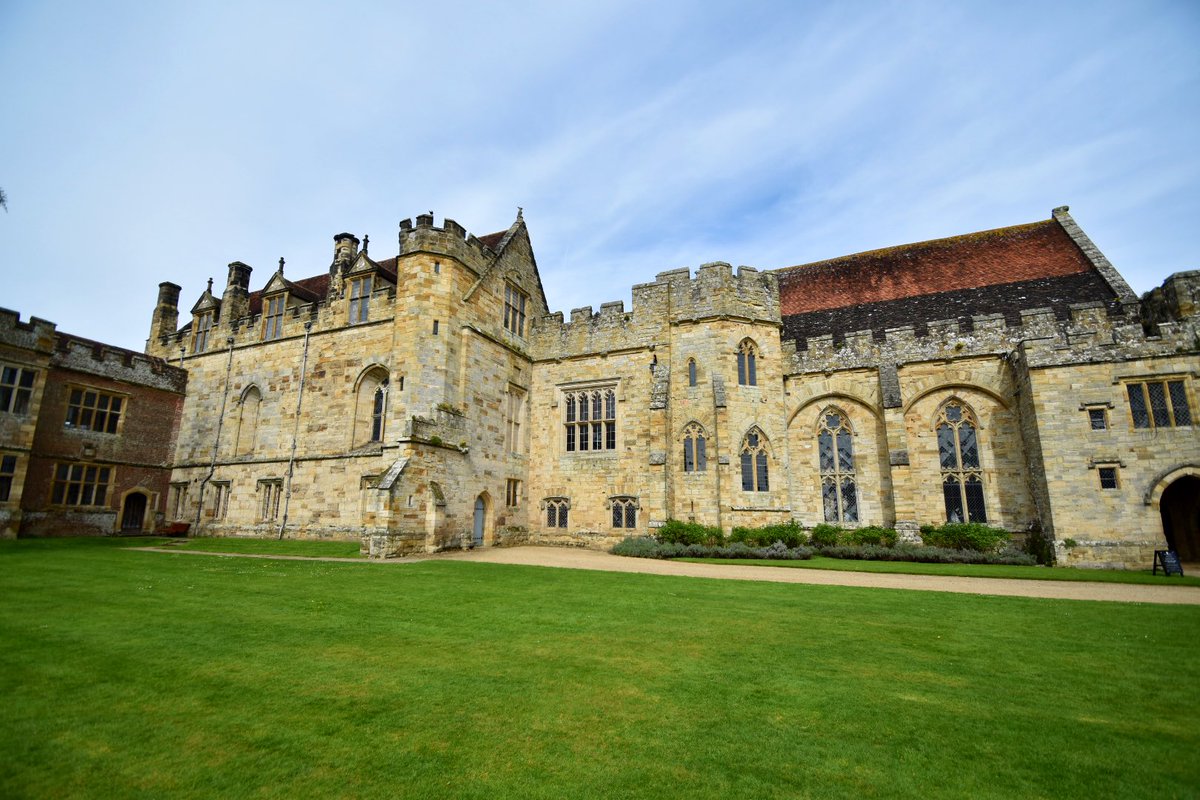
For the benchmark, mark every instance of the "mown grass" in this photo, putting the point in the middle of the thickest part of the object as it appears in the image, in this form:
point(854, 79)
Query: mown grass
point(137, 674)
point(282, 547)
point(968, 570)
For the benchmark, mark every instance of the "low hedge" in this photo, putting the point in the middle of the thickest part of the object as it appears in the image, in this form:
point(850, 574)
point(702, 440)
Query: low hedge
point(965, 536)
point(790, 533)
point(926, 555)
point(647, 547)
point(674, 531)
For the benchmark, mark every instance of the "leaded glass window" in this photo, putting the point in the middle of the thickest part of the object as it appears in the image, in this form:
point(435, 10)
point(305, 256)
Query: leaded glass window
point(1159, 404)
point(695, 456)
point(754, 462)
point(835, 456)
point(747, 363)
point(624, 512)
point(590, 420)
point(958, 455)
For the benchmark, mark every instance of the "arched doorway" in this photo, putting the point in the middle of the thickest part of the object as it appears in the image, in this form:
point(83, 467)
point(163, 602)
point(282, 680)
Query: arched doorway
point(133, 514)
point(480, 519)
point(1180, 509)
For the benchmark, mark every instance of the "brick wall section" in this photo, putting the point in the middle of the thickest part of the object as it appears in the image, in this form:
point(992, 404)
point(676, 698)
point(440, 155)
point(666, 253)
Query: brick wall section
point(1009, 299)
point(1001, 256)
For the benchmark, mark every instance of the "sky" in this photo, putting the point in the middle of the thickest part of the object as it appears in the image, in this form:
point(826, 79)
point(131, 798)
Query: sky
point(146, 142)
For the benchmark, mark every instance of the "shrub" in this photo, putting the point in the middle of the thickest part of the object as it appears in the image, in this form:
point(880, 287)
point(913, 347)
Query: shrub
point(826, 535)
point(790, 533)
point(1038, 545)
point(926, 555)
point(675, 531)
point(646, 547)
point(872, 535)
point(966, 536)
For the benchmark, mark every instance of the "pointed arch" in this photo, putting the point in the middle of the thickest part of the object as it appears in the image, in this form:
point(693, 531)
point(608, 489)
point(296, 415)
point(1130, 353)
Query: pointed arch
point(837, 398)
point(755, 456)
point(249, 407)
point(371, 405)
point(692, 371)
point(695, 447)
point(956, 387)
point(747, 362)
point(957, 427)
point(835, 464)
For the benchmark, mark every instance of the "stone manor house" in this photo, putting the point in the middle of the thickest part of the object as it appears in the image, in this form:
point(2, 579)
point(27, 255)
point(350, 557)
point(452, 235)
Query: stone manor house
point(430, 399)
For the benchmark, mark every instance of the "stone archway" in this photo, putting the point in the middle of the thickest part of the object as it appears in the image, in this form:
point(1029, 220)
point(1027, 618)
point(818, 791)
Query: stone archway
point(133, 512)
point(1179, 506)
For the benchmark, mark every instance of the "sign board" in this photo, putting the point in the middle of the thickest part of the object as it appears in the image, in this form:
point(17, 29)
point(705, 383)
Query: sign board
point(1169, 561)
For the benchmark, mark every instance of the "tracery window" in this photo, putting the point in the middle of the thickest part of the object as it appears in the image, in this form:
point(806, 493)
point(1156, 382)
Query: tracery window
point(204, 323)
point(1159, 404)
point(556, 511)
point(514, 310)
point(691, 372)
point(835, 452)
point(695, 457)
point(360, 299)
point(754, 462)
point(371, 406)
point(624, 512)
point(273, 319)
point(16, 389)
point(378, 409)
point(92, 410)
point(591, 420)
point(958, 455)
point(747, 358)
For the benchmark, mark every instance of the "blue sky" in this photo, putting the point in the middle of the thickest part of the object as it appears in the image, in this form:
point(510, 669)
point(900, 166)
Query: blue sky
point(145, 142)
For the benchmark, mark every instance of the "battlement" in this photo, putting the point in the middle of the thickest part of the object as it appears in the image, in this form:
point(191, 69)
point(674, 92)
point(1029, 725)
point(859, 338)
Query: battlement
point(117, 363)
point(451, 240)
point(1090, 333)
point(36, 334)
point(674, 297)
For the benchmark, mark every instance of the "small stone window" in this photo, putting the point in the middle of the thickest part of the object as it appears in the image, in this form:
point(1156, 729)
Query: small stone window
point(514, 309)
point(178, 499)
point(691, 372)
point(273, 318)
point(556, 511)
point(202, 327)
point(270, 491)
point(512, 493)
point(220, 505)
point(16, 389)
point(80, 485)
point(360, 299)
point(514, 412)
point(8, 468)
point(747, 360)
point(624, 512)
point(93, 410)
point(695, 456)
point(1159, 404)
point(1108, 477)
point(754, 462)
point(1098, 418)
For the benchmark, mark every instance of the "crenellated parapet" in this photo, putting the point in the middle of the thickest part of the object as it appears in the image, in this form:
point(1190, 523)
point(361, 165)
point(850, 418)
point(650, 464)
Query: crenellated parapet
point(451, 239)
point(36, 334)
point(675, 297)
point(1089, 334)
point(117, 363)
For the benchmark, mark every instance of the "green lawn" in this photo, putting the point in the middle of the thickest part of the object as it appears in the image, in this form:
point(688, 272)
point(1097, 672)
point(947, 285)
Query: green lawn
point(135, 674)
point(967, 570)
point(286, 547)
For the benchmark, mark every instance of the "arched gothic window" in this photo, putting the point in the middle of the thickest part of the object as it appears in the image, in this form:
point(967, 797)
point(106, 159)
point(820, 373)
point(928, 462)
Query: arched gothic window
point(691, 372)
point(695, 456)
point(754, 462)
point(624, 512)
point(747, 357)
point(958, 455)
point(247, 430)
point(379, 406)
point(371, 407)
point(835, 452)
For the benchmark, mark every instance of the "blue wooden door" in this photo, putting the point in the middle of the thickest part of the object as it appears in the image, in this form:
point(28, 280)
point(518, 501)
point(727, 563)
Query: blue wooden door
point(477, 533)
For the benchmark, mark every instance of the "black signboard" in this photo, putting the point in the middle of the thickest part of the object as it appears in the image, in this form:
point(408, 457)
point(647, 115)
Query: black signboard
point(1169, 561)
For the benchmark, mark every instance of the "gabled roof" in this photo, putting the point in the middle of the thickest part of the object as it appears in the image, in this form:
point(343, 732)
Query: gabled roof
point(1014, 254)
point(309, 290)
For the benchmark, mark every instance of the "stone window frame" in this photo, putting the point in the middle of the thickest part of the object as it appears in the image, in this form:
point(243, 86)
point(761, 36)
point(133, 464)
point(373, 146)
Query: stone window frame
point(961, 466)
point(103, 410)
point(514, 412)
point(755, 456)
point(270, 491)
point(1174, 409)
point(201, 329)
point(274, 307)
point(695, 448)
point(748, 355)
point(579, 421)
point(371, 405)
point(17, 383)
point(624, 508)
point(8, 473)
point(515, 301)
point(1109, 476)
point(512, 493)
point(359, 298)
point(221, 493)
point(1097, 415)
point(177, 500)
point(693, 372)
point(557, 510)
point(250, 403)
point(838, 473)
point(81, 484)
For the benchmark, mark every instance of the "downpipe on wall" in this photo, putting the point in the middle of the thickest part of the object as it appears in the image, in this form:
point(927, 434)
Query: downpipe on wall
point(287, 492)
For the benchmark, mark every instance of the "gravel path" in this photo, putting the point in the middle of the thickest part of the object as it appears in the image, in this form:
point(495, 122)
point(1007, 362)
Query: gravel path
point(570, 558)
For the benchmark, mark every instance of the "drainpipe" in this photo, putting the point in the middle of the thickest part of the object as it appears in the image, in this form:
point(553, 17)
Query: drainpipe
point(287, 493)
point(212, 465)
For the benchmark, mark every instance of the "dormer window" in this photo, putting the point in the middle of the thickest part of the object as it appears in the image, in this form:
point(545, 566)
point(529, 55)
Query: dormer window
point(514, 310)
point(273, 318)
point(204, 323)
point(360, 298)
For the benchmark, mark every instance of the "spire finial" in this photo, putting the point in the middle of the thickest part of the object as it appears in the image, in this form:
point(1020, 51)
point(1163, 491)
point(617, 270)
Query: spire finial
point(210, 285)
point(281, 265)
point(520, 211)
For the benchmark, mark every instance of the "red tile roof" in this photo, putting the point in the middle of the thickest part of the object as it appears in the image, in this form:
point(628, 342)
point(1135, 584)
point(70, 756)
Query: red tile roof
point(492, 239)
point(1003, 255)
point(310, 289)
